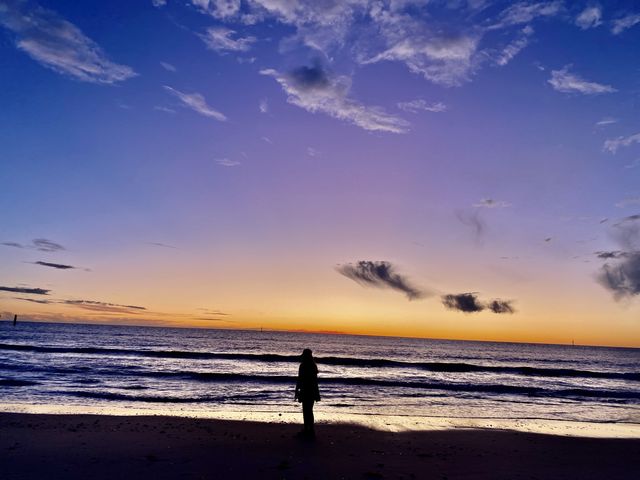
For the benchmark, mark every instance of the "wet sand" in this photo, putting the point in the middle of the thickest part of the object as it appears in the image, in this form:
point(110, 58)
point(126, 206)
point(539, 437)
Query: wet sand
point(34, 446)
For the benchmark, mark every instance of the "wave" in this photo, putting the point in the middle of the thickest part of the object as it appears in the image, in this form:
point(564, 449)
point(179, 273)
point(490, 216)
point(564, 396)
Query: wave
point(442, 367)
point(571, 393)
point(12, 382)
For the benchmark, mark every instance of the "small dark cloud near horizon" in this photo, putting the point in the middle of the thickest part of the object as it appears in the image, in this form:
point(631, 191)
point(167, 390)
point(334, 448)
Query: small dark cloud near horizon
point(30, 291)
point(622, 276)
point(104, 307)
point(59, 266)
point(211, 311)
point(501, 306)
point(463, 302)
point(548, 239)
point(34, 300)
point(380, 274)
point(41, 244)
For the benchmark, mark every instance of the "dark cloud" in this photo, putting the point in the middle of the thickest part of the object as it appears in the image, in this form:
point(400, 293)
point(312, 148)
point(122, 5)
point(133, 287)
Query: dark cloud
point(472, 219)
point(45, 245)
point(59, 266)
point(463, 302)
point(622, 275)
point(501, 306)
point(163, 245)
point(310, 78)
point(30, 291)
point(607, 255)
point(33, 300)
point(381, 275)
point(12, 244)
point(104, 307)
point(209, 311)
point(548, 239)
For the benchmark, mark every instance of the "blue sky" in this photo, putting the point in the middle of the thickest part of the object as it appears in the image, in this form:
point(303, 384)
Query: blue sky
point(228, 155)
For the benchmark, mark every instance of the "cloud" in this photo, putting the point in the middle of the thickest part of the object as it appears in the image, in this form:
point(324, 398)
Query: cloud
point(380, 274)
point(34, 300)
point(491, 203)
point(634, 164)
point(197, 103)
point(566, 82)
point(30, 291)
point(59, 266)
point(163, 245)
point(103, 307)
point(590, 17)
point(473, 220)
point(622, 277)
point(168, 67)
point(313, 152)
point(501, 306)
point(158, 3)
point(160, 108)
point(614, 144)
point(621, 24)
point(607, 255)
point(509, 52)
point(415, 106)
point(226, 162)
point(606, 121)
point(315, 90)
point(463, 302)
point(524, 12)
point(12, 244)
point(221, 40)
point(59, 45)
point(263, 106)
point(45, 245)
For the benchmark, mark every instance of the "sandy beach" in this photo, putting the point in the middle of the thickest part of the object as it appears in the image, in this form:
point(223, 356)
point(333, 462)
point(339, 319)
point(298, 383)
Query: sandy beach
point(102, 446)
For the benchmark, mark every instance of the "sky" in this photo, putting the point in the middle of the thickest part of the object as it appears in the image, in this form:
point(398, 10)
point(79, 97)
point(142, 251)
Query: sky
point(464, 169)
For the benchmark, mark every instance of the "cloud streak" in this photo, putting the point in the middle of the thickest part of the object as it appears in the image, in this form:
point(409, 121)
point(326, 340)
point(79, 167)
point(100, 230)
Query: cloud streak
point(380, 274)
point(59, 266)
point(470, 303)
point(221, 40)
point(30, 291)
point(315, 90)
point(197, 103)
point(622, 276)
point(614, 144)
point(59, 45)
point(566, 82)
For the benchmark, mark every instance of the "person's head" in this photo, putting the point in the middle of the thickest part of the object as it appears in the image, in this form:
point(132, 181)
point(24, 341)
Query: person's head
point(307, 355)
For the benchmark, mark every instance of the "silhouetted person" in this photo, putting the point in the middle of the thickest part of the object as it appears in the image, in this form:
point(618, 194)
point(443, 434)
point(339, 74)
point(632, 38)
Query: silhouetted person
point(307, 391)
point(15, 320)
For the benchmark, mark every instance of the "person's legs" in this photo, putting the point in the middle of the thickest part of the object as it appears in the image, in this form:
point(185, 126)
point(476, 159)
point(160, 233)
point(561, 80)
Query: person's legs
point(307, 415)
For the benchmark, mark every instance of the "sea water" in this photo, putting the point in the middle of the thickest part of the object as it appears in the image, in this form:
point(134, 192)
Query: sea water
point(200, 370)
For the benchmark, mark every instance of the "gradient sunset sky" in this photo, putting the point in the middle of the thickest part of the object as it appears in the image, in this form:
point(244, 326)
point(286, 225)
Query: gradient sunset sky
point(464, 169)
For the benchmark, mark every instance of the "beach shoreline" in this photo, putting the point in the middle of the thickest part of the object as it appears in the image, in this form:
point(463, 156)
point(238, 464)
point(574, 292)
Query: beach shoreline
point(104, 446)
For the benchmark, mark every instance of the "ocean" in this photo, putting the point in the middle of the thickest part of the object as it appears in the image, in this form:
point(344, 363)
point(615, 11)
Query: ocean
point(196, 370)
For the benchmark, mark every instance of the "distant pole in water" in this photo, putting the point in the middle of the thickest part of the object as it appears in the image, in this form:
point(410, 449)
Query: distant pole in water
point(15, 320)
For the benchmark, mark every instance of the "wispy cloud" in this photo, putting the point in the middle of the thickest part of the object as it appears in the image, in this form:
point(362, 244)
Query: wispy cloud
point(590, 17)
point(491, 203)
point(501, 306)
point(30, 291)
point(634, 164)
point(168, 67)
point(315, 90)
point(380, 274)
point(564, 81)
point(619, 25)
point(34, 300)
point(103, 307)
point(510, 51)
point(226, 162)
point(197, 103)
point(222, 40)
point(614, 144)
point(162, 245)
point(263, 106)
point(606, 121)
point(59, 45)
point(59, 266)
point(158, 3)
point(524, 12)
point(40, 244)
point(474, 221)
point(415, 106)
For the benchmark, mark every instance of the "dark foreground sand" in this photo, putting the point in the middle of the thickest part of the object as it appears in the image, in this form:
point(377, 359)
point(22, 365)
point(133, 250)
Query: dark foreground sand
point(110, 447)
